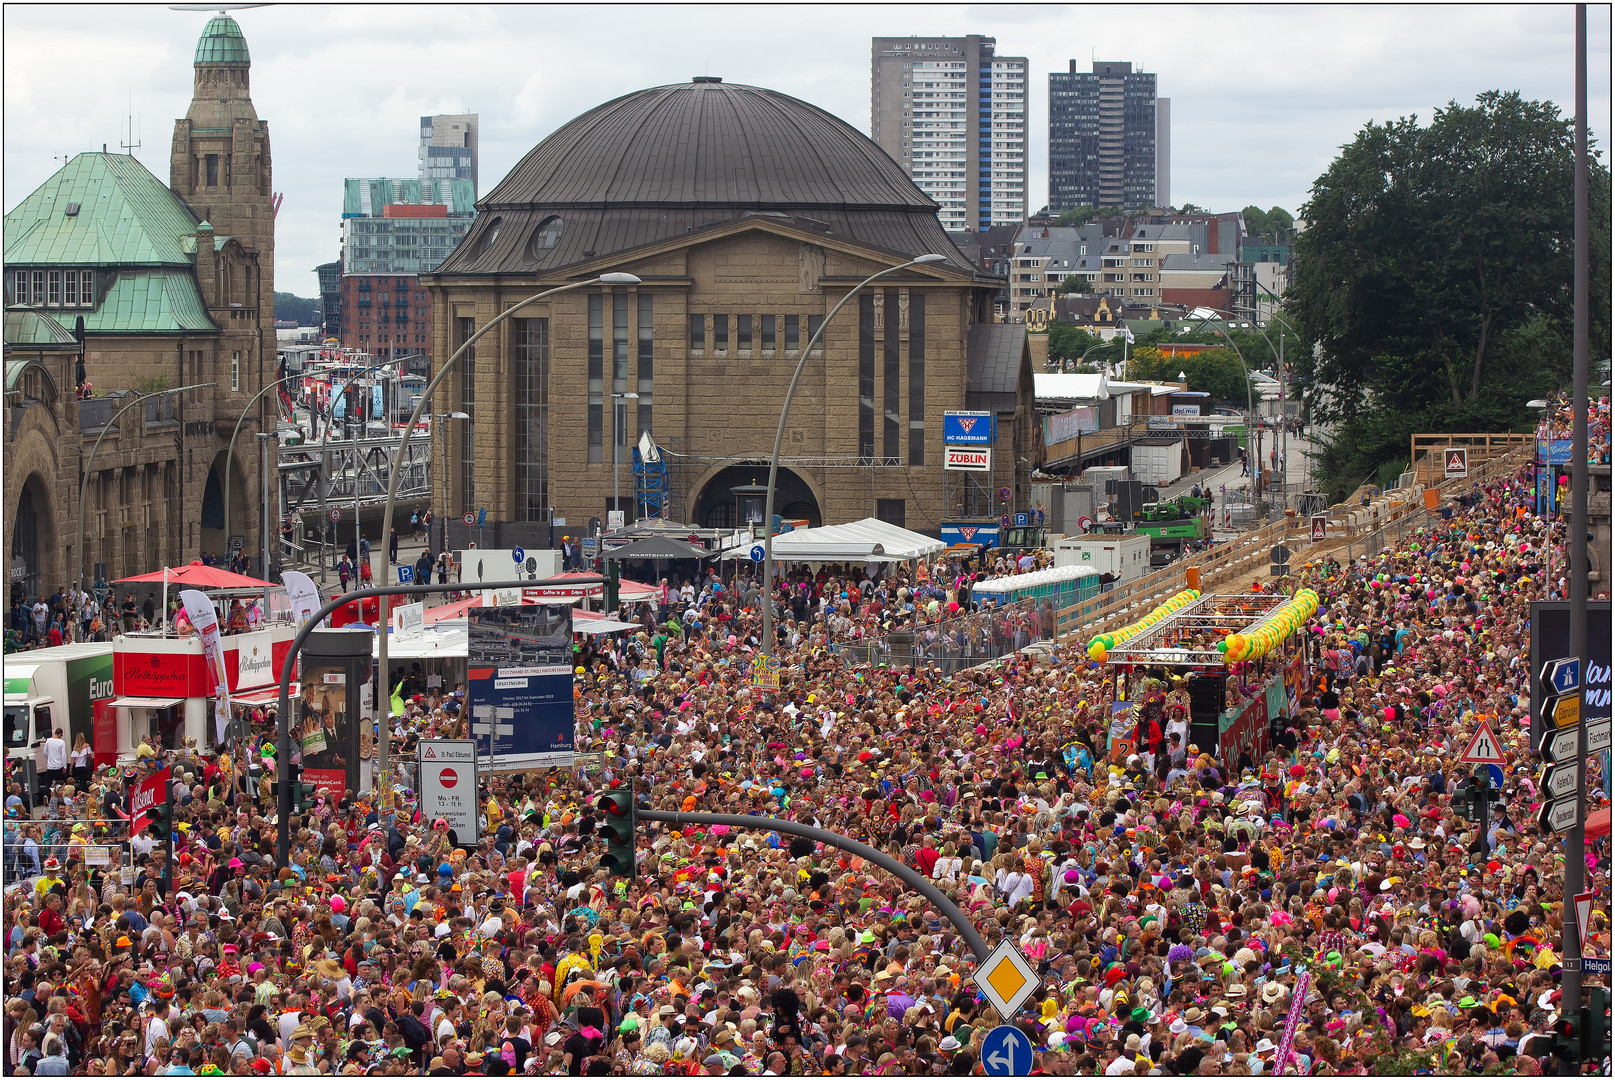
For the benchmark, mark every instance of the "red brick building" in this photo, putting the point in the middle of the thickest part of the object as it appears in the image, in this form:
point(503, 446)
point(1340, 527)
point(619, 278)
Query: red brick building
point(386, 315)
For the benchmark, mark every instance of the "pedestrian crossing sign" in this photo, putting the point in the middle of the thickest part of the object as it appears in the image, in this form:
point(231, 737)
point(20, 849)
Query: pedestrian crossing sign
point(1484, 749)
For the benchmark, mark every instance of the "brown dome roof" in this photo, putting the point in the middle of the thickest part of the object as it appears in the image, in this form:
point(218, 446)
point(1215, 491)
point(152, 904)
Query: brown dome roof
point(707, 143)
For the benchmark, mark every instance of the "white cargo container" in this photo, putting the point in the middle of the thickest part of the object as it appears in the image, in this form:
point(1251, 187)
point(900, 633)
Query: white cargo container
point(1125, 558)
point(1158, 465)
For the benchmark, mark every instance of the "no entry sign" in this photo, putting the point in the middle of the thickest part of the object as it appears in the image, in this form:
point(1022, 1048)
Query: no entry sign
point(448, 780)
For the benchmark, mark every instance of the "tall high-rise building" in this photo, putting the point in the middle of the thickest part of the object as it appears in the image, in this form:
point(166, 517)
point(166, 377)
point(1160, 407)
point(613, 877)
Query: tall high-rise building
point(448, 148)
point(1109, 138)
point(953, 114)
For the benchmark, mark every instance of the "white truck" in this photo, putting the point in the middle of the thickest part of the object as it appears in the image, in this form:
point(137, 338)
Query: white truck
point(1125, 557)
point(65, 687)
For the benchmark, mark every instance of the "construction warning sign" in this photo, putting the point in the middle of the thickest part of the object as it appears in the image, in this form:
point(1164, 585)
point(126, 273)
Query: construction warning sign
point(1457, 462)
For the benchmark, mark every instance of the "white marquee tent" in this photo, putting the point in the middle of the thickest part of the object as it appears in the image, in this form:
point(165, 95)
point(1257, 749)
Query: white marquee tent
point(869, 540)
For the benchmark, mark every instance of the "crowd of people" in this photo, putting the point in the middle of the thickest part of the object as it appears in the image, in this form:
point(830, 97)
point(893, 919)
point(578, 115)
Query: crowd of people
point(1319, 909)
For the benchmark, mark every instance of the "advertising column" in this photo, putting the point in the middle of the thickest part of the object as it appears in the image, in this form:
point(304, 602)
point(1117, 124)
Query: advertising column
point(334, 711)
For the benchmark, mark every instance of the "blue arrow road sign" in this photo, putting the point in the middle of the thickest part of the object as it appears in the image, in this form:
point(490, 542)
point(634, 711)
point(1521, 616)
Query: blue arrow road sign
point(1563, 675)
point(1006, 1051)
point(757, 553)
point(482, 517)
point(518, 554)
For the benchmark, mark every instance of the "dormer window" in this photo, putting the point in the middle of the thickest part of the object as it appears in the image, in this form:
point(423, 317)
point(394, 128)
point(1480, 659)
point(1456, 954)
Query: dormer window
point(53, 288)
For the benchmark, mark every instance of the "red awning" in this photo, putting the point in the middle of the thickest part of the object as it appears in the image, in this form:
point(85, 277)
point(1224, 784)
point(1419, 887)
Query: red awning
point(1598, 823)
point(197, 576)
point(456, 610)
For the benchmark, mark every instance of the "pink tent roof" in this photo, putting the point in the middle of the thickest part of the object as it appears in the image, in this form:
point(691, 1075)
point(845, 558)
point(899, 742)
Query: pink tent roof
point(456, 610)
point(197, 576)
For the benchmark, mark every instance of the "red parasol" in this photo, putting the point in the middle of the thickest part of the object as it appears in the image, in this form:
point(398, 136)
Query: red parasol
point(197, 576)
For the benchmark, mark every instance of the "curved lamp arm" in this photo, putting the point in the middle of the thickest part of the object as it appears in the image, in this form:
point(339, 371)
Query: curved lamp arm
point(779, 437)
point(84, 481)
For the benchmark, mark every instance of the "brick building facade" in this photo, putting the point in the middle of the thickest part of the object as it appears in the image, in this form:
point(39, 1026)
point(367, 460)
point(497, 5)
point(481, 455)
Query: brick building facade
point(746, 215)
point(114, 279)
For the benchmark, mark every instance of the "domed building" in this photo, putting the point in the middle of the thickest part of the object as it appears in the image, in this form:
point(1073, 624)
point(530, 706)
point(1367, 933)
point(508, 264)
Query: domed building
point(746, 215)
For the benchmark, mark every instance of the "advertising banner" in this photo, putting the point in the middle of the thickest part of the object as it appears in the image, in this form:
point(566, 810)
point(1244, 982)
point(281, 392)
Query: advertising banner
point(969, 534)
point(144, 795)
point(519, 685)
point(199, 609)
point(303, 594)
point(331, 707)
point(448, 779)
point(967, 428)
point(964, 459)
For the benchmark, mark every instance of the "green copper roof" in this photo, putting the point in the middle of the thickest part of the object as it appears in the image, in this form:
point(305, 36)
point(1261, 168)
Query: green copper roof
point(150, 302)
point(222, 43)
point(25, 326)
point(125, 216)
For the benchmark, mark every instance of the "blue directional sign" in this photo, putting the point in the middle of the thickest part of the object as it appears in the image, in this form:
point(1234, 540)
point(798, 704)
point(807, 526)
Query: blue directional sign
point(1595, 965)
point(757, 553)
point(1006, 1051)
point(1496, 772)
point(518, 554)
point(482, 517)
point(1564, 676)
point(406, 574)
point(1023, 520)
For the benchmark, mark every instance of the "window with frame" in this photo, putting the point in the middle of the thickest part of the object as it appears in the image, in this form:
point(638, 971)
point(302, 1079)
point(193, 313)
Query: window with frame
point(597, 377)
point(916, 378)
point(698, 333)
point(813, 324)
point(793, 333)
point(235, 372)
point(465, 327)
point(720, 333)
point(743, 332)
point(531, 356)
point(212, 166)
point(767, 334)
point(647, 342)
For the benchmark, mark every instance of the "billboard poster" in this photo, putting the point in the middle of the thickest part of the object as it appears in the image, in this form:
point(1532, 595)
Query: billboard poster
point(144, 795)
point(519, 685)
point(327, 724)
point(448, 783)
point(966, 459)
point(969, 533)
point(1550, 640)
point(967, 428)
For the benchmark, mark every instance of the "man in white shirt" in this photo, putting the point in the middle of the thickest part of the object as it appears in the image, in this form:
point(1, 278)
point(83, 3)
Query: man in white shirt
point(55, 760)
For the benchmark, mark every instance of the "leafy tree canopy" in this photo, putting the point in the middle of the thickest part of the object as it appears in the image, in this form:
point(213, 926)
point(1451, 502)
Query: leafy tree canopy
point(306, 311)
point(1217, 372)
point(1434, 278)
point(1275, 225)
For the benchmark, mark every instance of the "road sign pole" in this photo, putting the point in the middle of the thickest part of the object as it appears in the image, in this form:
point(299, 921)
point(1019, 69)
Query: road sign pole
point(1576, 841)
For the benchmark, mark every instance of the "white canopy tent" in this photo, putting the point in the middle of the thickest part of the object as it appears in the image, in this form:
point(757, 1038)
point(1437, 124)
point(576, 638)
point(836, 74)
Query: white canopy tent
point(868, 540)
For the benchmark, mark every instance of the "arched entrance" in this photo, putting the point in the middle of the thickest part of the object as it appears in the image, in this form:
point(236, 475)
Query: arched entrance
point(212, 518)
point(717, 507)
point(29, 538)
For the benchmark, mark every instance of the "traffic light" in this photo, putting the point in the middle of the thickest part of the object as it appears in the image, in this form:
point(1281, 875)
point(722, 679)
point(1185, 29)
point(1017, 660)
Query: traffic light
point(1595, 1025)
point(618, 831)
point(160, 819)
point(1567, 1038)
point(303, 794)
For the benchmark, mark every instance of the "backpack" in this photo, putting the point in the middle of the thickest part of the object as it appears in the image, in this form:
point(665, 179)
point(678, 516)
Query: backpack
point(414, 1032)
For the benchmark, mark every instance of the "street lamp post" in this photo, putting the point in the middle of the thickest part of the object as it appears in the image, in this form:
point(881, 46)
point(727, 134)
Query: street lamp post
point(767, 647)
point(230, 454)
point(385, 733)
point(619, 414)
point(84, 481)
point(437, 420)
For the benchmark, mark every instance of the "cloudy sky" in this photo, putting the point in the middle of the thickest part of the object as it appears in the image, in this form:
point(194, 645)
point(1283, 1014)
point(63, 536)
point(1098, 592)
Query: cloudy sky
point(1262, 96)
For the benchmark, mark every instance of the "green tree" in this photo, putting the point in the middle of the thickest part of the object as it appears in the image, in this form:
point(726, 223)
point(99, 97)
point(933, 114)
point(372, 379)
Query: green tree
point(1217, 372)
point(307, 312)
point(1276, 224)
point(1073, 284)
point(1433, 282)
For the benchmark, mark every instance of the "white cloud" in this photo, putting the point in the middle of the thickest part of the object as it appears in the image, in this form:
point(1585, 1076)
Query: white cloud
point(1262, 96)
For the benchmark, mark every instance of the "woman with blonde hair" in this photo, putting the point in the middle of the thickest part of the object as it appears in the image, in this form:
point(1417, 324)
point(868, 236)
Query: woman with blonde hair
point(82, 758)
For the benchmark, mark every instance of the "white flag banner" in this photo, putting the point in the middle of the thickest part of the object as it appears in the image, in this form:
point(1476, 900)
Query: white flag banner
point(1127, 332)
point(199, 609)
point(303, 594)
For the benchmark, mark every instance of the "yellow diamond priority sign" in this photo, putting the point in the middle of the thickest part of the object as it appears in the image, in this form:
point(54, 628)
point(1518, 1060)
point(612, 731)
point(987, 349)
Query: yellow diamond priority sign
point(1006, 979)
